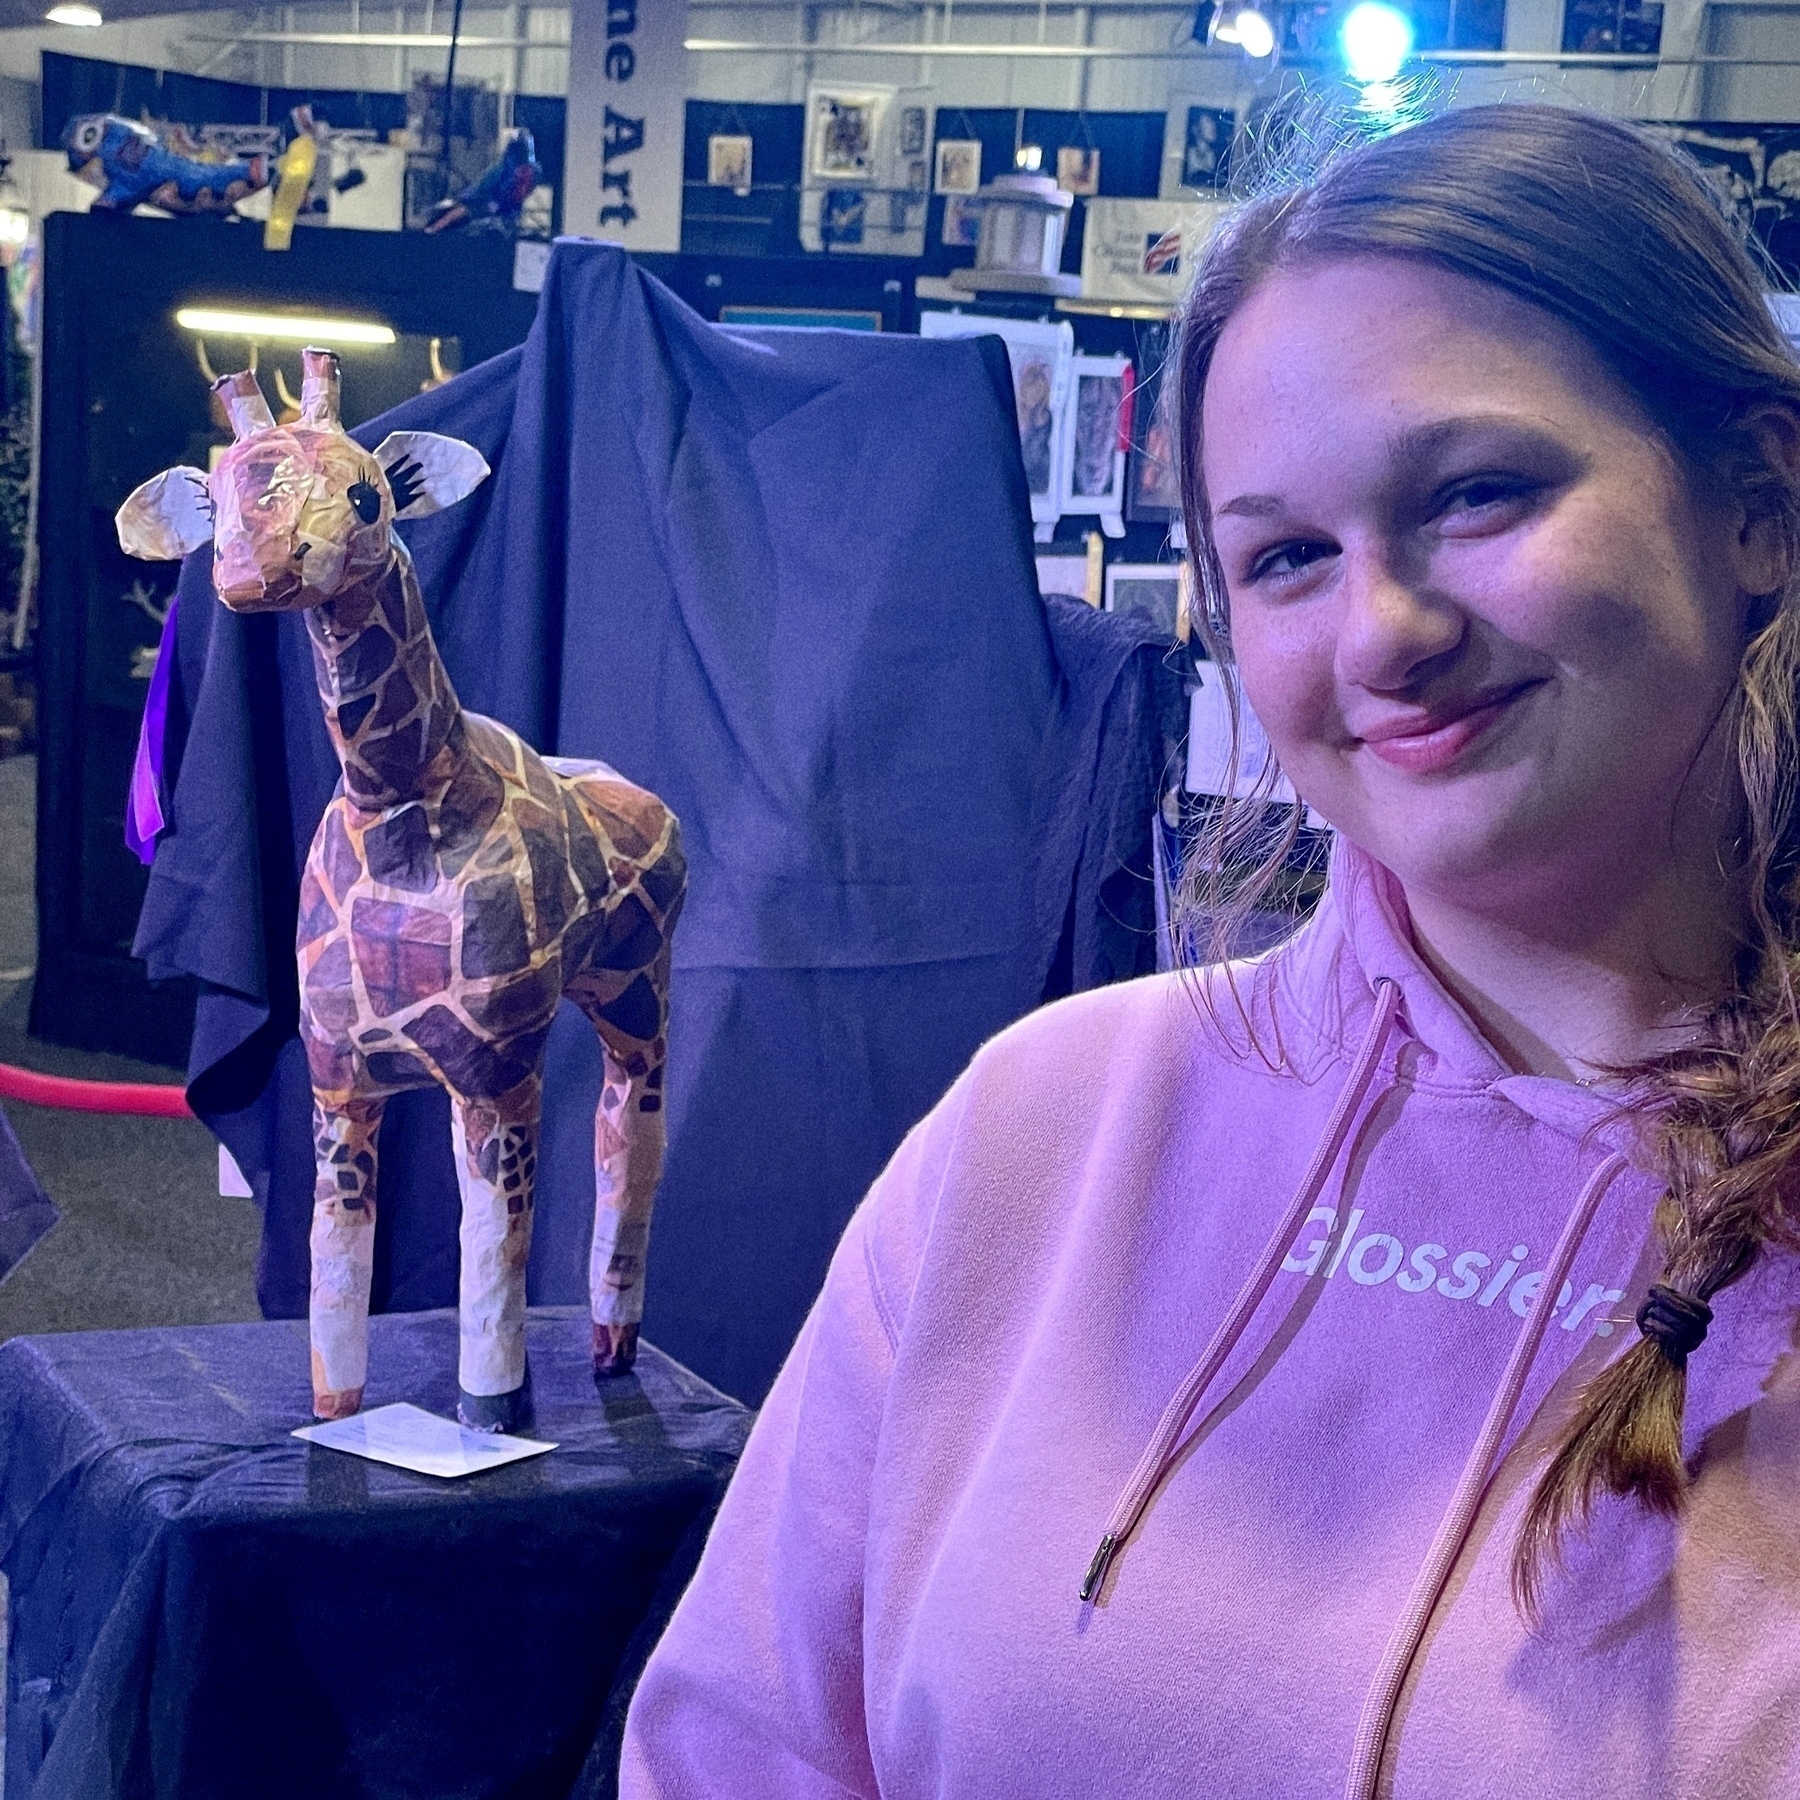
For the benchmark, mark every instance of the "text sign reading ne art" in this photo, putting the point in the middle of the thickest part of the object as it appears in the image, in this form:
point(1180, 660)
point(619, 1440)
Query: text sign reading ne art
point(627, 93)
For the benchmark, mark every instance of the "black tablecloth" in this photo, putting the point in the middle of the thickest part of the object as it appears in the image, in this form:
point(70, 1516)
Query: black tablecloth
point(203, 1605)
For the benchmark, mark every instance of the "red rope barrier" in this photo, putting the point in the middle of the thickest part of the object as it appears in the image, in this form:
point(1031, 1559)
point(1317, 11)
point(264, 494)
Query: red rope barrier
point(144, 1099)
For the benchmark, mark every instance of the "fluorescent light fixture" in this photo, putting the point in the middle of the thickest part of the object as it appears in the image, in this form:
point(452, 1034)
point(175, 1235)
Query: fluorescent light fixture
point(1377, 39)
point(72, 13)
point(281, 325)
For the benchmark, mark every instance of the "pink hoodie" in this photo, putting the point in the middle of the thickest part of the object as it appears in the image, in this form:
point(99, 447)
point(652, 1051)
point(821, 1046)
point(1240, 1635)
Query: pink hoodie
point(1341, 1263)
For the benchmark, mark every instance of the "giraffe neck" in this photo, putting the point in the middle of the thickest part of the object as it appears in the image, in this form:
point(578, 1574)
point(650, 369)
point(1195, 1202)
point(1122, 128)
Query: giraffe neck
point(393, 716)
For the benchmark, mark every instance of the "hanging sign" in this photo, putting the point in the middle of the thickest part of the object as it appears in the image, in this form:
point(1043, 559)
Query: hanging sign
point(627, 100)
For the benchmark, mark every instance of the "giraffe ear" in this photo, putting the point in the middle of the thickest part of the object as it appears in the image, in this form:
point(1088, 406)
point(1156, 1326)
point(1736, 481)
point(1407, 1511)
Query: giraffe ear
point(167, 517)
point(428, 472)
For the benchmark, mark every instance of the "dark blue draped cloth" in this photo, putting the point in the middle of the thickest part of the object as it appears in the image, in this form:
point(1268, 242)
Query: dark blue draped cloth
point(783, 579)
point(204, 1606)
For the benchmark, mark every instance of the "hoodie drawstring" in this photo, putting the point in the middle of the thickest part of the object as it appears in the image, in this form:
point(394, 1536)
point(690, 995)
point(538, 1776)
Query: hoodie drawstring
point(1154, 1463)
point(1452, 1534)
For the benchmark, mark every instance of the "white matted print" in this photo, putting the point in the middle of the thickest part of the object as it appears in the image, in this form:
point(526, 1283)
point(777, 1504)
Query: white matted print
point(843, 133)
point(1150, 589)
point(958, 165)
point(1098, 438)
point(729, 161)
point(1042, 356)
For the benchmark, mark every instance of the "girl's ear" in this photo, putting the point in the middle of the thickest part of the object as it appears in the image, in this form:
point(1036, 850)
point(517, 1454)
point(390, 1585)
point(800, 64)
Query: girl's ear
point(170, 515)
point(1764, 547)
point(427, 472)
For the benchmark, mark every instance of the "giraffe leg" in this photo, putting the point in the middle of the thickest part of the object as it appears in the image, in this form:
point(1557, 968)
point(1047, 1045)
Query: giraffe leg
point(343, 1251)
point(629, 1134)
point(496, 1163)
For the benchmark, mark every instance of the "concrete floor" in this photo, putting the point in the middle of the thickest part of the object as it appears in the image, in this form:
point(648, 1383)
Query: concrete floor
point(145, 1237)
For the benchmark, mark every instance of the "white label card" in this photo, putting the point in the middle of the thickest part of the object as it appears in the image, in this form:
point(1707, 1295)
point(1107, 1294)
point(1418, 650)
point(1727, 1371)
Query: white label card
point(408, 1437)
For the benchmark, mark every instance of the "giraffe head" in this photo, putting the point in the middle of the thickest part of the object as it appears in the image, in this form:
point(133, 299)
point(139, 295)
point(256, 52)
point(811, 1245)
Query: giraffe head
point(297, 513)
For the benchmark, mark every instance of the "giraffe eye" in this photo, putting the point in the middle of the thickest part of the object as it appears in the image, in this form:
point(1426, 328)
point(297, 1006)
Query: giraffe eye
point(365, 501)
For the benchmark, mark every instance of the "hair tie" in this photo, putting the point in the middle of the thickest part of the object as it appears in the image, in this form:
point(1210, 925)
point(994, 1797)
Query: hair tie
point(1675, 1322)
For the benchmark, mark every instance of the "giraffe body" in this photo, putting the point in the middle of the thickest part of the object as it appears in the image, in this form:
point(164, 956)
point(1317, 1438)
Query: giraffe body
point(458, 888)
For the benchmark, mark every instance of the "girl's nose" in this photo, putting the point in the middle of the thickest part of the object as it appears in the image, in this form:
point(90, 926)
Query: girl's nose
point(1395, 629)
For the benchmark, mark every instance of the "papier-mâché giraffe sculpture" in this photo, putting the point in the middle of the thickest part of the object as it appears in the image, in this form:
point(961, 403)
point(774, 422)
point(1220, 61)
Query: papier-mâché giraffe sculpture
point(458, 887)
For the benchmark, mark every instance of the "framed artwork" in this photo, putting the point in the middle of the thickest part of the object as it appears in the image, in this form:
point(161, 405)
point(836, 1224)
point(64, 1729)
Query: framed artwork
point(962, 222)
point(843, 132)
point(1065, 575)
point(1206, 149)
point(1153, 486)
point(912, 131)
point(728, 162)
point(1152, 590)
point(841, 221)
point(958, 165)
point(1042, 356)
point(1078, 169)
point(1098, 440)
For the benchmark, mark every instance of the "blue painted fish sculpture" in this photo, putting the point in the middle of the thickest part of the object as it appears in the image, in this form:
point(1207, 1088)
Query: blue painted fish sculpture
point(132, 166)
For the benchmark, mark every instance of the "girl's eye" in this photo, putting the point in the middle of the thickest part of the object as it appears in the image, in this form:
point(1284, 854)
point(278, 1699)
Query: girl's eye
point(1287, 559)
point(1483, 503)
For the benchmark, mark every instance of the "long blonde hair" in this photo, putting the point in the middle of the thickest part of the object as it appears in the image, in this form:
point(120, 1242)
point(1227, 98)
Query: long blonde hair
point(1609, 230)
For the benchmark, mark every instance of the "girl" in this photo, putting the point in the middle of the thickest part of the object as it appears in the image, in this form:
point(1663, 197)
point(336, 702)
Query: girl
point(1284, 1389)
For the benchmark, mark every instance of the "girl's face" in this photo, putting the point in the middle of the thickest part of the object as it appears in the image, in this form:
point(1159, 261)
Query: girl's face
point(1484, 614)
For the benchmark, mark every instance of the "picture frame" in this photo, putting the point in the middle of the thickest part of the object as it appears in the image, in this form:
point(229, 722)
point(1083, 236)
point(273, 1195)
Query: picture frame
point(1150, 589)
point(843, 215)
point(958, 165)
point(1042, 357)
point(843, 134)
point(962, 223)
point(730, 158)
point(1078, 169)
point(1097, 441)
point(1153, 485)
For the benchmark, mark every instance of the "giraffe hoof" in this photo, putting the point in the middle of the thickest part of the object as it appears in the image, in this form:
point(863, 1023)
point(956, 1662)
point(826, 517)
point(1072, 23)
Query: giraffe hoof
point(492, 1412)
point(339, 1405)
point(615, 1349)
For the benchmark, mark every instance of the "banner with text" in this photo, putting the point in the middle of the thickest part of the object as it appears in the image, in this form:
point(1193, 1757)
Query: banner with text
point(627, 97)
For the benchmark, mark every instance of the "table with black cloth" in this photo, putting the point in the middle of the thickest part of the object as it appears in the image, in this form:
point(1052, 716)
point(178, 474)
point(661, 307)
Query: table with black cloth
point(204, 1605)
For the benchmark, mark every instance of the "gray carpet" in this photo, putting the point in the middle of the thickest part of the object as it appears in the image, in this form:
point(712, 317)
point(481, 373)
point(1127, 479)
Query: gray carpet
point(145, 1238)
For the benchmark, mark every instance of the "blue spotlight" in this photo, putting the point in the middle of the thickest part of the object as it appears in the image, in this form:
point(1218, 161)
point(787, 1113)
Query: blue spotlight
point(1376, 39)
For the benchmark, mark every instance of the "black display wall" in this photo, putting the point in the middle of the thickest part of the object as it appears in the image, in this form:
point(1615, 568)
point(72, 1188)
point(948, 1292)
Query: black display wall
point(124, 398)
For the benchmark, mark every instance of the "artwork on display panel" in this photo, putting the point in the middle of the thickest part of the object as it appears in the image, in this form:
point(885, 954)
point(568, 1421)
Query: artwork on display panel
point(1756, 171)
point(1078, 169)
point(729, 161)
point(962, 222)
point(1042, 356)
point(1206, 147)
point(1097, 442)
point(1153, 486)
point(843, 131)
point(1152, 590)
point(958, 165)
point(845, 212)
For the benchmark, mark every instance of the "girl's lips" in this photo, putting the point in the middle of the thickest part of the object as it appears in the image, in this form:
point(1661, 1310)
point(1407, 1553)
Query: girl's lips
point(1432, 748)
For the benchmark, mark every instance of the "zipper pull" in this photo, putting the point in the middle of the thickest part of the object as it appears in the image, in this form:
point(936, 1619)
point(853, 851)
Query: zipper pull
point(1109, 1548)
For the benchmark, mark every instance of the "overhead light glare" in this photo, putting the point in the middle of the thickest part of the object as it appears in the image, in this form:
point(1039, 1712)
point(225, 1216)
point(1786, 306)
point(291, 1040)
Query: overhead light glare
point(15, 226)
point(282, 325)
point(72, 13)
point(1376, 39)
point(1255, 33)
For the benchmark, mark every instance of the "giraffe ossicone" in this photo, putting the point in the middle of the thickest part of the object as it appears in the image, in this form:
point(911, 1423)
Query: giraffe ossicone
point(459, 887)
